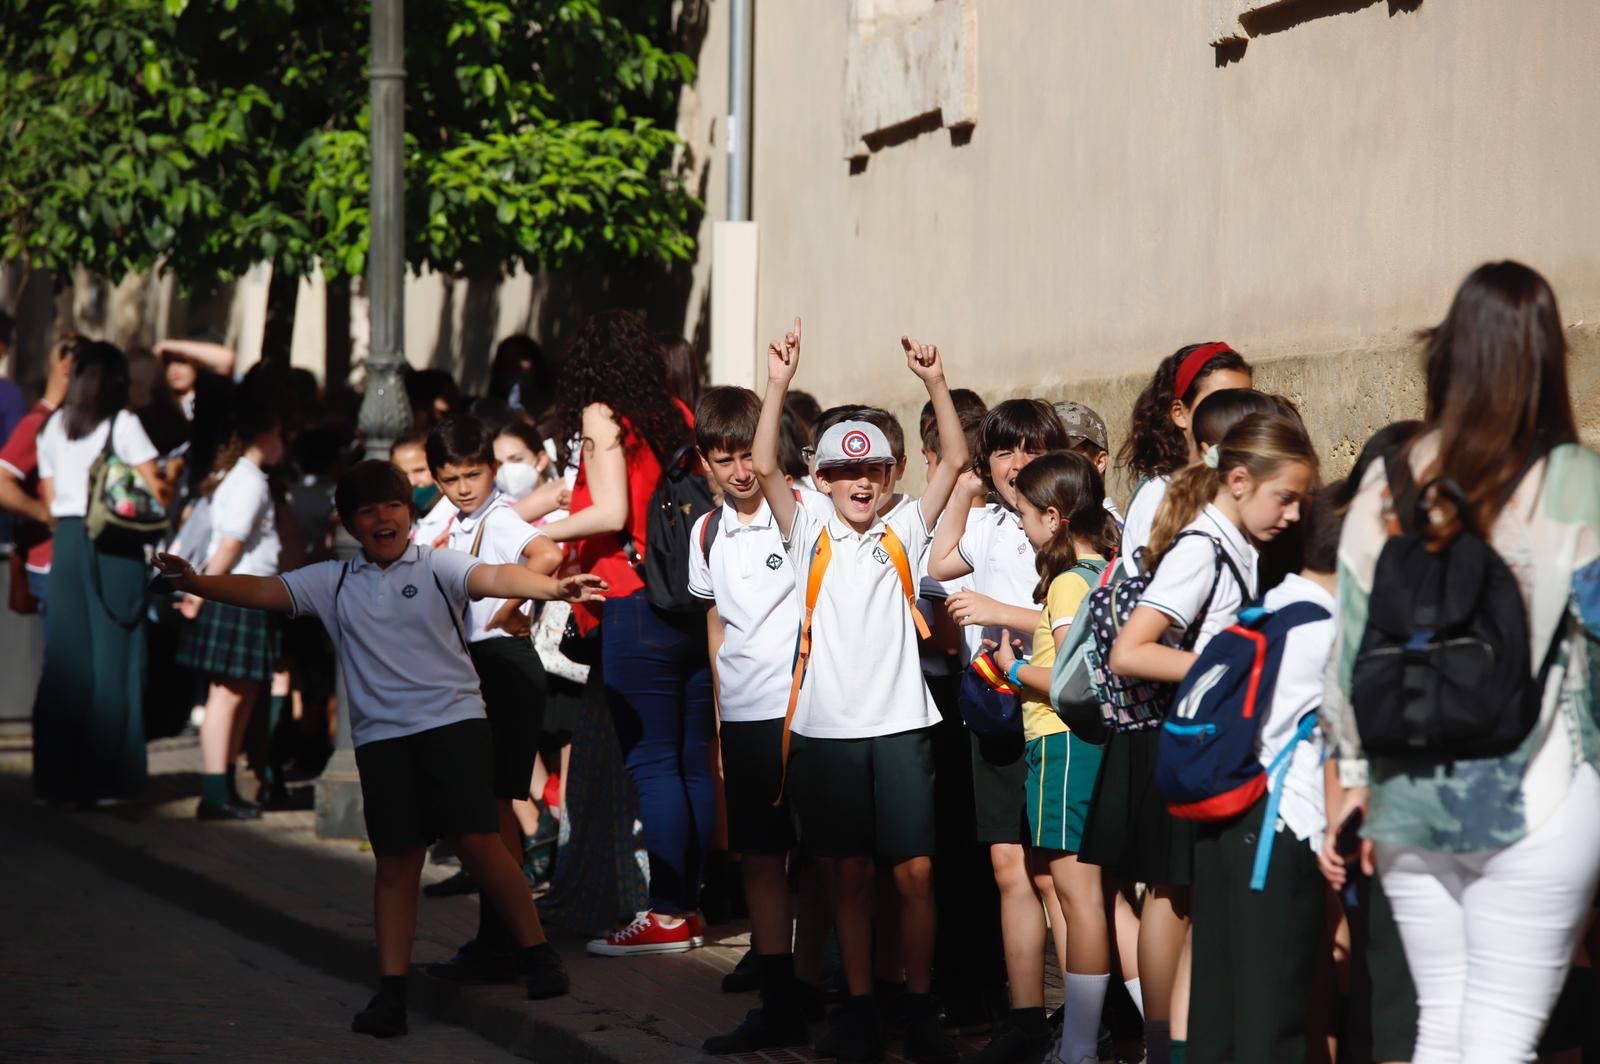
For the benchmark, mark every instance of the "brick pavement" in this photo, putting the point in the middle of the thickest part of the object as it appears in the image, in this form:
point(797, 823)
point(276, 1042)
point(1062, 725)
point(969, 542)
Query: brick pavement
point(96, 969)
point(274, 881)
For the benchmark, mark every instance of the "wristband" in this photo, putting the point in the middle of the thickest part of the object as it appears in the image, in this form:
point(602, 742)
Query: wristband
point(1011, 673)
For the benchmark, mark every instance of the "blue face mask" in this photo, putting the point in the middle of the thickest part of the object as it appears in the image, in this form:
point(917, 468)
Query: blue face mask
point(424, 497)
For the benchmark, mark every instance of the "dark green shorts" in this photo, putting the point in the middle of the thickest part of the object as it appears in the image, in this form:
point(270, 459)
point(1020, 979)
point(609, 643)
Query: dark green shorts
point(512, 679)
point(752, 777)
point(863, 797)
point(1000, 788)
point(1061, 773)
point(428, 785)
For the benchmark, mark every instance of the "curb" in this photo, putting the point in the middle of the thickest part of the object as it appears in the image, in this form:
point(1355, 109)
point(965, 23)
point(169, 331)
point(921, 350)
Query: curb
point(499, 1015)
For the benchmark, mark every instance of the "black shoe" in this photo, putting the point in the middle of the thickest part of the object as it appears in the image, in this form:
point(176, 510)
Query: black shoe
point(476, 965)
point(854, 1034)
point(927, 1042)
point(460, 883)
point(545, 972)
point(761, 1029)
point(745, 977)
point(1014, 1044)
point(209, 810)
point(381, 1019)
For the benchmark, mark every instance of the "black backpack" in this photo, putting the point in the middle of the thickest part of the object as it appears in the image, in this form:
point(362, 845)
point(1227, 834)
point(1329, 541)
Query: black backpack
point(1444, 670)
point(681, 496)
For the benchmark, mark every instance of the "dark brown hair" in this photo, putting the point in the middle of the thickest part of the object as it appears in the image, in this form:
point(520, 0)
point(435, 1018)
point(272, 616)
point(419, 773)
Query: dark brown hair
point(1069, 482)
point(1155, 446)
point(460, 439)
point(725, 420)
point(615, 359)
point(1496, 386)
point(368, 482)
point(970, 408)
point(1030, 424)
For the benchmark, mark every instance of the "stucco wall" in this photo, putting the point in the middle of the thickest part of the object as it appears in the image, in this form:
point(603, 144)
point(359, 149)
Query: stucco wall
point(1126, 188)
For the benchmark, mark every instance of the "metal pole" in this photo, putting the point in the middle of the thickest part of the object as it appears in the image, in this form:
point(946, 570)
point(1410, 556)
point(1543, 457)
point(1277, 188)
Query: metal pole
point(385, 413)
point(741, 45)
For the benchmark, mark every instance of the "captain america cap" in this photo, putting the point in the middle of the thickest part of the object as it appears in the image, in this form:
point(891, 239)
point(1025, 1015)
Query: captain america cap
point(853, 443)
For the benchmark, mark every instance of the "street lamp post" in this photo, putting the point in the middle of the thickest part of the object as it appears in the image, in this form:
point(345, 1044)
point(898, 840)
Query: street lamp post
point(385, 412)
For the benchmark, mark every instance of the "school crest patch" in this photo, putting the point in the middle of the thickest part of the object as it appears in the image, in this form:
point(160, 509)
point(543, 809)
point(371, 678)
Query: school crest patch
point(880, 555)
point(409, 591)
point(774, 561)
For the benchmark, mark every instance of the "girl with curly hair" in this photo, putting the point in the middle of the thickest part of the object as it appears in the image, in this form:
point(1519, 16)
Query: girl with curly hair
point(614, 406)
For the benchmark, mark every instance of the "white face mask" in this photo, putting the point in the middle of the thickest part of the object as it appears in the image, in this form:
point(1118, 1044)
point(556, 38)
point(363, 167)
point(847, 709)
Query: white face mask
point(517, 479)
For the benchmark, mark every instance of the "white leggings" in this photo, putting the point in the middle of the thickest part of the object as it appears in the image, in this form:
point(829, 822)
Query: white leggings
point(1490, 935)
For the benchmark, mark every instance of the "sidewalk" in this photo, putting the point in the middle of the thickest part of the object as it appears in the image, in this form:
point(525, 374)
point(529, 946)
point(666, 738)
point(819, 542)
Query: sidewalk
point(274, 881)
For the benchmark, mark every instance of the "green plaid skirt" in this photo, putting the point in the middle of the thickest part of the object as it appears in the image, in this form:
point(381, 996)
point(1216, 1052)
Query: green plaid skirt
point(230, 642)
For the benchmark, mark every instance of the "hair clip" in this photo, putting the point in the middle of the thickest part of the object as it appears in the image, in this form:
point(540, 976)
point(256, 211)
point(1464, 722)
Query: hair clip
point(1213, 457)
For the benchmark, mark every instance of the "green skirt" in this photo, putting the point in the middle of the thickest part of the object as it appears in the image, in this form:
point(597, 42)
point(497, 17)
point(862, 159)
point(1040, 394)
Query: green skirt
point(230, 643)
point(88, 714)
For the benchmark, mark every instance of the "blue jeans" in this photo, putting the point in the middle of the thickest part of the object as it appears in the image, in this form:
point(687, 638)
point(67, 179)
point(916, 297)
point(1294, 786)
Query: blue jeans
point(658, 683)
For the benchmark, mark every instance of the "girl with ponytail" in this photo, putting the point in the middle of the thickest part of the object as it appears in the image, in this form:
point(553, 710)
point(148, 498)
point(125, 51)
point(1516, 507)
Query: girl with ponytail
point(1244, 491)
point(1161, 431)
point(1060, 499)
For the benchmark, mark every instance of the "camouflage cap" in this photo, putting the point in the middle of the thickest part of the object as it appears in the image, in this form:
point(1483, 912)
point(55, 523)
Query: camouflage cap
point(1082, 423)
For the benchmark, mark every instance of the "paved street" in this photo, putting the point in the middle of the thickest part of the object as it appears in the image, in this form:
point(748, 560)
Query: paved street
point(92, 968)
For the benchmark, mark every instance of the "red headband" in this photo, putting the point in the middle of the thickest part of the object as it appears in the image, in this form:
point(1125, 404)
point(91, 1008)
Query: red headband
point(1193, 363)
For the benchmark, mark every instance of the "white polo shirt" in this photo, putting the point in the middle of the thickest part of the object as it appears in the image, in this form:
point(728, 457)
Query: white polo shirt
point(751, 579)
point(505, 536)
point(400, 641)
point(1141, 520)
point(864, 678)
point(241, 509)
point(1001, 559)
point(426, 528)
point(66, 463)
point(1188, 579)
point(1301, 673)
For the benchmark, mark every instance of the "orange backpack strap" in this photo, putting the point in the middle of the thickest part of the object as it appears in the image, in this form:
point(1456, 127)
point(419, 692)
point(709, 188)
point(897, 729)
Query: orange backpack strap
point(897, 554)
point(821, 554)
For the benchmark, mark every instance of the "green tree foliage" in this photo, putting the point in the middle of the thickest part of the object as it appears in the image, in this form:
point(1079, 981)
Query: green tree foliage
point(202, 136)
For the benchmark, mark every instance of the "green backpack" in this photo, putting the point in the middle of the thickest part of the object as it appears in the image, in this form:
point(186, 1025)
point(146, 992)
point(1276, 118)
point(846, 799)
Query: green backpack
point(122, 516)
point(1071, 679)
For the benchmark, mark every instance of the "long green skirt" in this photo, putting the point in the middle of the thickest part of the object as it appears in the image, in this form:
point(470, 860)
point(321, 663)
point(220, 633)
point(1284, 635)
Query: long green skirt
point(88, 716)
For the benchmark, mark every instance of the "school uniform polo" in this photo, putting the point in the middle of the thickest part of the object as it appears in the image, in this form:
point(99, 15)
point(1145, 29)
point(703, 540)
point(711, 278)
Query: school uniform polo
point(510, 672)
point(750, 578)
point(423, 747)
point(242, 509)
point(1301, 677)
point(1187, 583)
point(426, 529)
point(860, 771)
point(1140, 520)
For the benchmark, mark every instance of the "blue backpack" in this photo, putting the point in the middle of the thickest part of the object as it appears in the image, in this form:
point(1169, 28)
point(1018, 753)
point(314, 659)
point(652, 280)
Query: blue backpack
point(1207, 767)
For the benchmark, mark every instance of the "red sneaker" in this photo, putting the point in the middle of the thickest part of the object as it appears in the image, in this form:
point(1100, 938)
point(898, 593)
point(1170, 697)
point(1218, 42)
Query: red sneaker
point(645, 935)
point(697, 929)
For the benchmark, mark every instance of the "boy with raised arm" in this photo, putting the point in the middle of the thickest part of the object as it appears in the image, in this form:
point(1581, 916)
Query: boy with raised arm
point(416, 715)
point(860, 759)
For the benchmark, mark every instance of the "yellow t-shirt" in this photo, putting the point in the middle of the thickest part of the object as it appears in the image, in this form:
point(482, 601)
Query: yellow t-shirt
point(1061, 603)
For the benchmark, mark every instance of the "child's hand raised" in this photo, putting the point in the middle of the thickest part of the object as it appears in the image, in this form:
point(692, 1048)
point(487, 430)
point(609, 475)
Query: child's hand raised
point(585, 587)
point(783, 359)
point(923, 359)
point(971, 484)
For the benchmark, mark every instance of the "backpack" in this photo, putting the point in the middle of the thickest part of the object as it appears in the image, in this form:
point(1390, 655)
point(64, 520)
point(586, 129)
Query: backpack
point(1126, 704)
point(1072, 690)
point(821, 553)
point(1444, 670)
point(681, 497)
point(1207, 767)
point(123, 516)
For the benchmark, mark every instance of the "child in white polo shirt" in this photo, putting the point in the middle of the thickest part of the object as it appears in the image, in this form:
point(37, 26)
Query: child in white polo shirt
point(738, 561)
point(460, 452)
point(416, 715)
point(860, 770)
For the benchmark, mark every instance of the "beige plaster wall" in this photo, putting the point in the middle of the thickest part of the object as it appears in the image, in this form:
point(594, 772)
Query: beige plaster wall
point(1314, 200)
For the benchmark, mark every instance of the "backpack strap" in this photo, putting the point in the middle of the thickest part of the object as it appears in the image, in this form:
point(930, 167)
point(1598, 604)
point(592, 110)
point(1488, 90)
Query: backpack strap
point(821, 554)
point(897, 554)
point(708, 533)
point(1269, 821)
point(450, 609)
point(1191, 635)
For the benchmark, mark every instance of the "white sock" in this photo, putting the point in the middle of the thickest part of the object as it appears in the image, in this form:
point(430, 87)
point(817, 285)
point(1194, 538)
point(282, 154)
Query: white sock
point(1136, 992)
point(1080, 1016)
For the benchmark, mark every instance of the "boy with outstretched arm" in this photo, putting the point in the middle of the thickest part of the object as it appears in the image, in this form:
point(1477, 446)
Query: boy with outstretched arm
point(737, 560)
point(416, 715)
point(860, 760)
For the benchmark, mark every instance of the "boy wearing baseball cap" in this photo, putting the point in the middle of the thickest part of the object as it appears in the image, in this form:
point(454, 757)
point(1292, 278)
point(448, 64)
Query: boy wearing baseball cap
point(1086, 434)
point(860, 760)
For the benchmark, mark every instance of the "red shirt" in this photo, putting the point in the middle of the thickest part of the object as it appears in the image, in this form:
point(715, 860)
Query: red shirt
point(603, 555)
point(20, 455)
